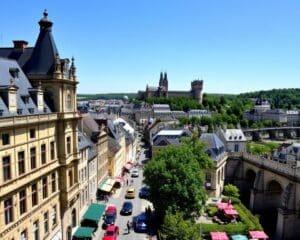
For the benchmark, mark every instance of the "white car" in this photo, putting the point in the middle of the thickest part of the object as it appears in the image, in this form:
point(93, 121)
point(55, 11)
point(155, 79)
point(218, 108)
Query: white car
point(134, 173)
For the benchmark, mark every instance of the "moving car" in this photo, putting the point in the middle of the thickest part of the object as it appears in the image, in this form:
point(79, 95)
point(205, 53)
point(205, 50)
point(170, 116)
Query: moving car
point(134, 173)
point(126, 208)
point(140, 223)
point(111, 233)
point(130, 193)
point(144, 192)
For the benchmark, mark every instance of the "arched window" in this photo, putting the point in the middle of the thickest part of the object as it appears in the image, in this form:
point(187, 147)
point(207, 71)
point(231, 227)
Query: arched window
point(69, 102)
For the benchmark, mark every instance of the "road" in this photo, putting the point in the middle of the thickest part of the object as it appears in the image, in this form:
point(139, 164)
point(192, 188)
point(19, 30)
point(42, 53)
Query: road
point(139, 206)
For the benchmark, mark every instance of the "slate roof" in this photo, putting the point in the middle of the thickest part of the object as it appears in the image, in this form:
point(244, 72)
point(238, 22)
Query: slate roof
point(83, 141)
point(23, 87)
point(233, 135)
point(215, 147)
point(41, 58)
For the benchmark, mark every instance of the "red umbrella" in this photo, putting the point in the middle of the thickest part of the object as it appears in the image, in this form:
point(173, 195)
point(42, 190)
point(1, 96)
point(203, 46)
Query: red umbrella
point(223, 205)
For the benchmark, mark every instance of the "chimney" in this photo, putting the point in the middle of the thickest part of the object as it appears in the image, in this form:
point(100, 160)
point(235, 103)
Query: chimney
point(20, 45)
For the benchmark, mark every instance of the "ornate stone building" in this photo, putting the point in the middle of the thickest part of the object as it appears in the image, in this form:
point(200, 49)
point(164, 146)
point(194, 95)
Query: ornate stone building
point(163, 90)
point(38, 147)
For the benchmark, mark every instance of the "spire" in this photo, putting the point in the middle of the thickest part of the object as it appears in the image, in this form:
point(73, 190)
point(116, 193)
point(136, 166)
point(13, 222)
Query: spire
point(45, 23)
point(161, 79)
point(166, 77)
point(72, 70)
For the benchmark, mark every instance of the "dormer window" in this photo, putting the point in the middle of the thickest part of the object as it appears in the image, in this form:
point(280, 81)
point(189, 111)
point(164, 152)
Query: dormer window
point(19, 111)
point(230, 137)
point(45, 110)
point(240, 137)
point(25, 99)
point(31, 110)
point(14, 72)
point(1, 112)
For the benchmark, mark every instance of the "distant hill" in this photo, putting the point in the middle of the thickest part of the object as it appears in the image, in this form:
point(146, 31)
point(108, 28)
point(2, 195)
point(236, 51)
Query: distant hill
point(105, 96)
point(287, 98)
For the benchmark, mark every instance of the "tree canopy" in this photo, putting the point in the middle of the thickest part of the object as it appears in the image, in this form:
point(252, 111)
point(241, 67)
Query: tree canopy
point(175, 179)
point(231, 190)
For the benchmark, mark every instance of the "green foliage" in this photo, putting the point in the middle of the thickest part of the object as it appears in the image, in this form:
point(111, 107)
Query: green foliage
point(231, 191)
point(175, 227)
point(211, 210)
point(278, 98)
point(247, 221)
point(261, 148)
point(176, 103)
point(175, 178)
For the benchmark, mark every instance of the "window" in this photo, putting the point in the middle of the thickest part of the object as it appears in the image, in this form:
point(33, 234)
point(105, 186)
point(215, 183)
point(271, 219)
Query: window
point(70, 174)
point(45, 188)
point(73, 217)
point(6, 168)
point(8, 210)
point(21, 162)
point(32, 133)
point(23, 235)
point(22, 199)
point(52, 150)
point(236, 147)
point(53, 182)
point(5, 139)
point(54, 216)
point(19, 111)
point(43, 153)
point(35, 230)
point(31, 110)
point(68, 145)
point(1, 112)
point(46, 223)
point(69, 102)
point(34, 194)
point(33, 157)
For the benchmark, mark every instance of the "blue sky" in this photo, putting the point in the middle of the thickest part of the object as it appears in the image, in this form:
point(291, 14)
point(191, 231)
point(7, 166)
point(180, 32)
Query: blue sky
point(121, 45)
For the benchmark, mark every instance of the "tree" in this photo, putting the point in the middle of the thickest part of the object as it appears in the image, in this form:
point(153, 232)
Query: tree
point(176, 227)
point(231, 191)
point(176, 181)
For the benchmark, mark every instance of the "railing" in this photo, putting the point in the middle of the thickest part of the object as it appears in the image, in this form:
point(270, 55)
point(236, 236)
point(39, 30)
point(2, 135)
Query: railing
point(277, 166)
point(17, 120)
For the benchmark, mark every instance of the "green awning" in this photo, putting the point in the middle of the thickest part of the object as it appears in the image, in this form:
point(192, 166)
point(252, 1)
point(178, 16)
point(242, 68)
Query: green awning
point(84, 232)
point(106, 184)
point(94, 212)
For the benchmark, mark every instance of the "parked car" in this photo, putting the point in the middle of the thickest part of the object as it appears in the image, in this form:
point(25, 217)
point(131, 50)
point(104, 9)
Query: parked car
point(111, 209)
point(111, 233)
point(134, 173)
point(126, 208)
point(130, 193)
point(140, 223)
point(109, 219)
point(144, 192)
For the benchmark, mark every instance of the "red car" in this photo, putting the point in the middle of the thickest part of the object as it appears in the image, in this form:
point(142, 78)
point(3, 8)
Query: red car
point(111, 233)
point(111, 209)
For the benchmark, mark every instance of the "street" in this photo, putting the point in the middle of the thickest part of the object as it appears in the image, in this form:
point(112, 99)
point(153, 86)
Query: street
point(139, 205)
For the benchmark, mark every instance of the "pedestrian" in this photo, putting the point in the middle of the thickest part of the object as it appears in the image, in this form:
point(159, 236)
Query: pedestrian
point(128, 226)
point(127, 182)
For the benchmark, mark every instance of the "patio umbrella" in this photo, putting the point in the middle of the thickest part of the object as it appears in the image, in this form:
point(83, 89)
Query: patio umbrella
point(218, 236)
point(258, 235)
point(238, 237)
point(223, 205)
point(230, 212)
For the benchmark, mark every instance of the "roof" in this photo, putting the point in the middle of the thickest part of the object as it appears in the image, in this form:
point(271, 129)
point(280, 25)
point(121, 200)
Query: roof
point(234, 135)
point(94, 212)
point(83, 141)
point(124, 125)
point(23, 89)
point(170, 132)
point(84, 232)
point(215, 147)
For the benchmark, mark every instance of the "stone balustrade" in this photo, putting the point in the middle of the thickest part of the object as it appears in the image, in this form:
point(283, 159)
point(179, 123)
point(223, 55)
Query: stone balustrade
point(18, 120)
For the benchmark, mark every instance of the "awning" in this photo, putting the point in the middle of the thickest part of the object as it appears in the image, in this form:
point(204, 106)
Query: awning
point(258, 235)
point(238, 237)
point(218, 236)
point(94, 212)
point(106, 184)
point(128, 165)
point(84, 233)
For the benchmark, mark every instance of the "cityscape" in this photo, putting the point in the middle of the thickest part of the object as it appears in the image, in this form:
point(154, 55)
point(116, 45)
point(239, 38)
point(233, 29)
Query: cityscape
point(137, 161)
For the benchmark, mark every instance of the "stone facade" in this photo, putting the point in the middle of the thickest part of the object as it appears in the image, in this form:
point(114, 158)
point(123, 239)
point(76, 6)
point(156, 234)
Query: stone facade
point(44, 197)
